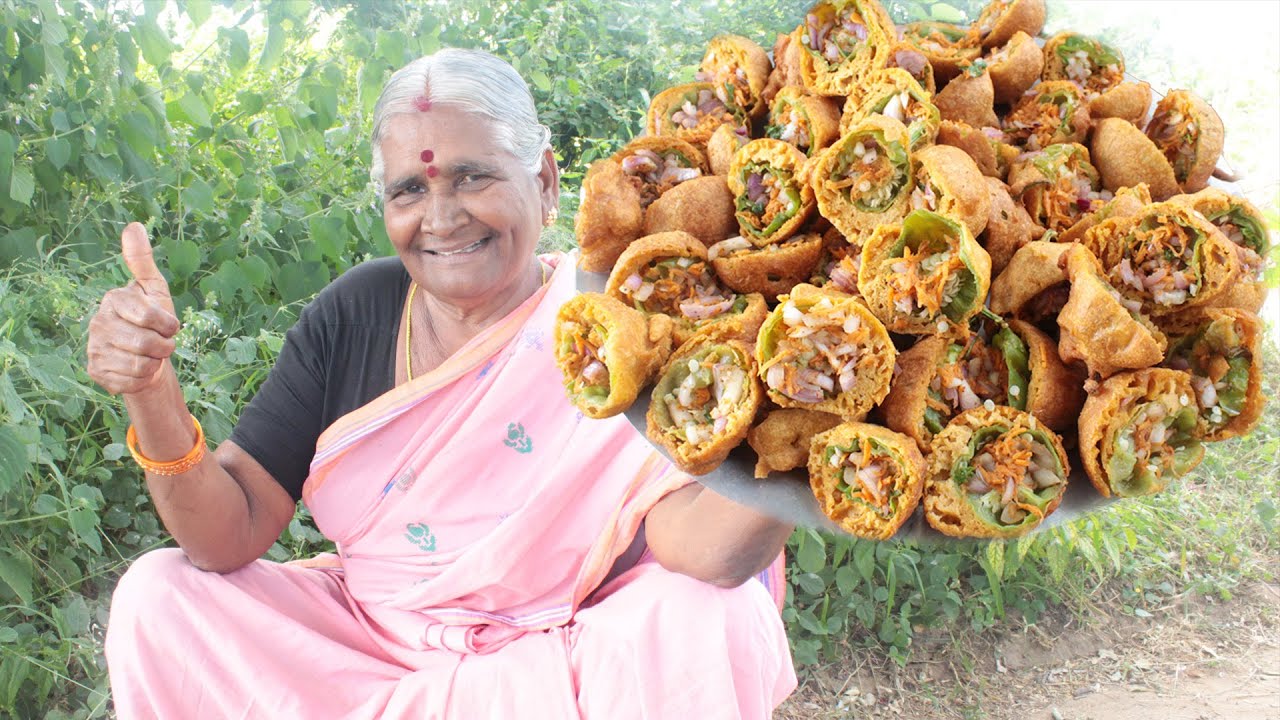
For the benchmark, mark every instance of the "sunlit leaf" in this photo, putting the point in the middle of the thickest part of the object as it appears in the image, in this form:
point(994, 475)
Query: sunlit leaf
point(198, 10)
point(152, 41)
point(194, 109)
point(22, 185)
point(273, 48)
point(237, 43)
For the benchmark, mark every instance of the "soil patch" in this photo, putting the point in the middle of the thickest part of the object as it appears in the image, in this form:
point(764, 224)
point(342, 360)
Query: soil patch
point(1194, 659)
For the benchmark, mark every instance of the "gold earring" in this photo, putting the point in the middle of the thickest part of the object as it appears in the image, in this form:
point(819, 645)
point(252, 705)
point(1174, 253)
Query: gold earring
point(551, 217)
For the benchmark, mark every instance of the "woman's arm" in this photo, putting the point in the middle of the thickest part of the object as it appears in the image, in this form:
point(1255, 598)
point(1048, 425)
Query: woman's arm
point(227, 510)
point(700, 533)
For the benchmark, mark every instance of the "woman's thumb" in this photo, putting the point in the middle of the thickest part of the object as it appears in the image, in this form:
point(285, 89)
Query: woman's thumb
point(136, 248)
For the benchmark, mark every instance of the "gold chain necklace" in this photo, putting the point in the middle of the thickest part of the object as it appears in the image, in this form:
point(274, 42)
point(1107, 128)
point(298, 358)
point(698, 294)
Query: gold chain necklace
point(408, 323)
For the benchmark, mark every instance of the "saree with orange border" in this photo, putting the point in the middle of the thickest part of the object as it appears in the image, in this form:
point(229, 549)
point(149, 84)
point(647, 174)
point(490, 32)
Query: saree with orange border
point(476, 514)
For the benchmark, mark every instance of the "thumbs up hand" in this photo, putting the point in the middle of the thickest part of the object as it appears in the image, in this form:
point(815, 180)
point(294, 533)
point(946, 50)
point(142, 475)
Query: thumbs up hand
point(131, 335)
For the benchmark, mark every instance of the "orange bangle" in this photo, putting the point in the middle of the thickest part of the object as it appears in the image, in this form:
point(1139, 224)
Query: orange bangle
point(175, 467)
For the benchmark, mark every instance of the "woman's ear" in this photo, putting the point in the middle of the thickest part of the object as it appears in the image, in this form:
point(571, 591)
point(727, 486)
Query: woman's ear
point(549, 181)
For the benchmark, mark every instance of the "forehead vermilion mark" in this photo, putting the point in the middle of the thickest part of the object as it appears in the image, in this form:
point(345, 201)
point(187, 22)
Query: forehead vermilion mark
point(432, 171)
point(423, 103)
point(427, 156)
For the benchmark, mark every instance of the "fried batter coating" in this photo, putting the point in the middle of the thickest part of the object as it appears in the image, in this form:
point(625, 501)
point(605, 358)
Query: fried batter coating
point(1009, 227)
point(842, 41)
point(736, 62)
point(1055, 392)
point(1034, 269)
point(925, 274)
point(722, 145)
point(1093, 65)
point(1000, 20)
point(1125, 157)
point(1053, 112)
point(771, 198)
point(868, 479)
point(1138, 431)
point(994, 473)
point(786, 65)
point(947, 47)
point(703, 403)
point(702, 207)
point(669, 273)
point(1190, 134)
point(849, 377)
point(985, 145)
point(1015, 67)
point(1128, 201)
point(1126, 101)
point(609, 218)
point(691, 112)
point(771, 270)
point(969, 98)
point(607, 352)
point(896, 94)
point(1057, 185)
point(809, 122)
point(782, 439)
point(864, 179)
point(1168, 257)
point(1100, 327)
point(947, 181)
point(908, 57)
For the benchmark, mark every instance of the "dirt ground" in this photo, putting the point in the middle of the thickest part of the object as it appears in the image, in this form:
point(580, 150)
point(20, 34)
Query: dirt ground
point(1193, 660)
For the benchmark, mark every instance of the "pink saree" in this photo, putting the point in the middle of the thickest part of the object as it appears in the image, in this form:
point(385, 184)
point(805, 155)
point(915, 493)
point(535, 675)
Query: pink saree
point(476, 514)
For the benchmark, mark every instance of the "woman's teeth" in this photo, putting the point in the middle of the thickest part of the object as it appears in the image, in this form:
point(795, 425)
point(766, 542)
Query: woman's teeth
point(468, 249)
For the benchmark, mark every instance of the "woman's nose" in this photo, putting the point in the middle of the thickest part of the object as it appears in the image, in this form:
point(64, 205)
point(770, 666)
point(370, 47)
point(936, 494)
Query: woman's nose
point(443, 213)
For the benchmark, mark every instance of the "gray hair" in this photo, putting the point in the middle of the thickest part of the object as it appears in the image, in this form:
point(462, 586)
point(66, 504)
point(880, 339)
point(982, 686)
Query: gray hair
point(474, 81)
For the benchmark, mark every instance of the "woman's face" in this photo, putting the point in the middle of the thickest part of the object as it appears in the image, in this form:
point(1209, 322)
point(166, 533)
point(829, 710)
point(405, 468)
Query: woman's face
point(462, 212)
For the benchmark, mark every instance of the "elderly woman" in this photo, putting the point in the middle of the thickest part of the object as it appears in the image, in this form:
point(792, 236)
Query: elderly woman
point(498, 556)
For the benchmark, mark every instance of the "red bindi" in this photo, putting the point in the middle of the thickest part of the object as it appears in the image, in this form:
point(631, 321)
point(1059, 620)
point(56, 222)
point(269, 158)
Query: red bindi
point(427, 156)
point(423, 103)
point(432, 171)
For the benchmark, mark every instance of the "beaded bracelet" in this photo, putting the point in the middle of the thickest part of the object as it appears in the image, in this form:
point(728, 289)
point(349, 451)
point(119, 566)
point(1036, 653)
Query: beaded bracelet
point(174, 467)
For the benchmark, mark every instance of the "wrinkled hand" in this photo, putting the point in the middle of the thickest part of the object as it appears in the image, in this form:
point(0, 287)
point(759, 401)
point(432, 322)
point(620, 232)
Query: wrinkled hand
point(131, 336)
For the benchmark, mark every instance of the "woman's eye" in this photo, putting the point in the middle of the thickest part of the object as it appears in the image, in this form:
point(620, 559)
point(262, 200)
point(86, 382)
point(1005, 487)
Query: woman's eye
point(473, 180)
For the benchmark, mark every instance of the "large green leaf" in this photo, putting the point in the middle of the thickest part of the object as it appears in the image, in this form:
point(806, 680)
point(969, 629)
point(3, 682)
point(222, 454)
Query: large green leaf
point(198, 10)
point(273, 48)
point(301, 280)
point(192, 108)
point(22, 185)
point(155, 45)
point(237, 42)
point(58, 151)
point(14, 464)
point(329, 234)
point(84, 522)
point(15, 571)
point(198, 196)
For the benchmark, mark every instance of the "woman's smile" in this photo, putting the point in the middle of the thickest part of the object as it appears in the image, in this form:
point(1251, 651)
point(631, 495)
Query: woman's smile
point(457, 200)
